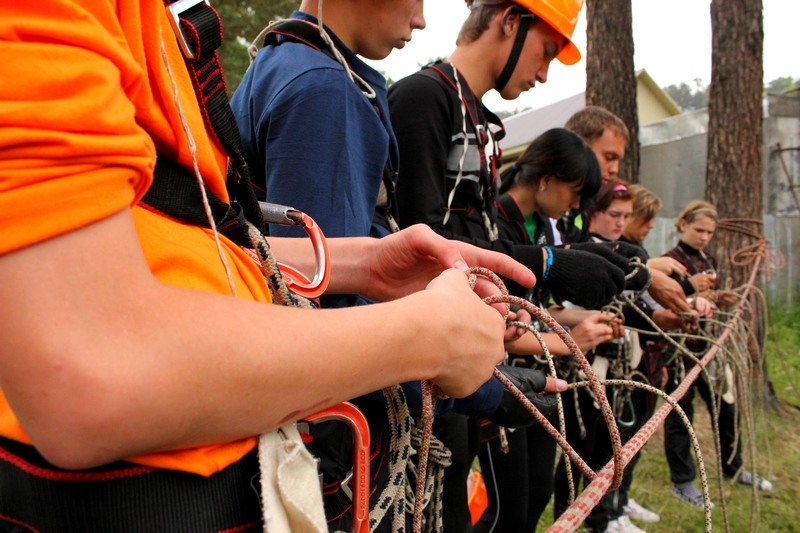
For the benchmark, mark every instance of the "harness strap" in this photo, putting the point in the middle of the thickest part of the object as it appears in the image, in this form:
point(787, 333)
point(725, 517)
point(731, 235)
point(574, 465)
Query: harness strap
point(199, 31)
point(175, 193)
point(299, 31)
point(516, 50)
point(124, 497)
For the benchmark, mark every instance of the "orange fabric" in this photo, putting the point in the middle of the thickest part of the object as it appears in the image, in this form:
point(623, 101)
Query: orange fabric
point(85, 103)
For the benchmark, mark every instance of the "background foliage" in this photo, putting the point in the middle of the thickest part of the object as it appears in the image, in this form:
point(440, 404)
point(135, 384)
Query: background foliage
point(241, 22)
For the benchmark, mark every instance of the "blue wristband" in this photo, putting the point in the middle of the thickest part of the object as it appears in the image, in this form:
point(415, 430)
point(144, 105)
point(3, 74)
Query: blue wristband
point(549, 262)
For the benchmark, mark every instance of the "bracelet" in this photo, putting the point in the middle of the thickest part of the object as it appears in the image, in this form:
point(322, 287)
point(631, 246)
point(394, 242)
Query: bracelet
point(549, 262)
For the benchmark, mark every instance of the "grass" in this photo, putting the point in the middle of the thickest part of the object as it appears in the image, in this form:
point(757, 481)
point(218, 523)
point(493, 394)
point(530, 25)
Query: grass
point(777, 455)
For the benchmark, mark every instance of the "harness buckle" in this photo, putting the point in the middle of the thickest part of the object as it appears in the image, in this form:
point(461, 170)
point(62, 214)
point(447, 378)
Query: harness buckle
point(174, 12)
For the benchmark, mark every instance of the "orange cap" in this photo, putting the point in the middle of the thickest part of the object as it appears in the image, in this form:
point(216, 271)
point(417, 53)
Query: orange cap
point(561, 15)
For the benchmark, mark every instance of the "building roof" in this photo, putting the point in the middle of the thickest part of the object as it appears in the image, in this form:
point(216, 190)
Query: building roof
point(653, 104)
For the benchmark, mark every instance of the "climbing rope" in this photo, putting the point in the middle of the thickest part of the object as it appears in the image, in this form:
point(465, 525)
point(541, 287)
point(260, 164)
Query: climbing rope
point(430, 393)
point(579, 510)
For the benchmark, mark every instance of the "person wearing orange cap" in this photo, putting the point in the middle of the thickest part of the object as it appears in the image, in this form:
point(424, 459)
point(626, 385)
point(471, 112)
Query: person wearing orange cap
point(449, 160)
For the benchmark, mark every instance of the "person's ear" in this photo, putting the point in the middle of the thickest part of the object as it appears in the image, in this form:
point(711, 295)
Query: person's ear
point(682, 226)
point(509, 22)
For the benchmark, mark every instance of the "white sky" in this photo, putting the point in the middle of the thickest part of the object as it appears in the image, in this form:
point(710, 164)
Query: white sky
point(672, 41)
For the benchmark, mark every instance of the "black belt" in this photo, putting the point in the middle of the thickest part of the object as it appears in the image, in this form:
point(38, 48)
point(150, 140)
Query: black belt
point(125, 498)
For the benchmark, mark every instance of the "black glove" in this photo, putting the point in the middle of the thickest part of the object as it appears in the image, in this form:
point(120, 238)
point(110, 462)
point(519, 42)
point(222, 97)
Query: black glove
point(584, 278)
point(511, 413)
point(619, 253)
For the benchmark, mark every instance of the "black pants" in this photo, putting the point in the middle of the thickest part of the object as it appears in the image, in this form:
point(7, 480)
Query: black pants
point(520, 483)
point(677, 444)
point(461, 436)
point(594, 423)
point(642, 407)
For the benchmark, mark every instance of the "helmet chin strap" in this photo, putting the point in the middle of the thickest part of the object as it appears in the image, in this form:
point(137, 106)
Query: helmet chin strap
point(516, 49)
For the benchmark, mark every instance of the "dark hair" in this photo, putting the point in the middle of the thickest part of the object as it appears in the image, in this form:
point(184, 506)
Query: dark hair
point(481, 16)
point(613, 189)
point(559, 153)
point(592, 121)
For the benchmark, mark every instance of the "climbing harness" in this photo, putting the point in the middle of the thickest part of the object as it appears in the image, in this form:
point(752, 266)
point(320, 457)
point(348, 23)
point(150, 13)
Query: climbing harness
point(473, 112)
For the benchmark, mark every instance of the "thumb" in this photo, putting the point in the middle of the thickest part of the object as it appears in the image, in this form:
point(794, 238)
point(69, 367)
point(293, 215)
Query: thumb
point(555, 385)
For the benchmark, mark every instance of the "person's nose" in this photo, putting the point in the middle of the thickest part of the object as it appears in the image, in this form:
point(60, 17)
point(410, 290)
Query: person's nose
point(418, 18)
point(541, 75)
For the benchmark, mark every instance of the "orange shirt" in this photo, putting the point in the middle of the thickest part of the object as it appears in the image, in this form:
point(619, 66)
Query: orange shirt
point(85, 102)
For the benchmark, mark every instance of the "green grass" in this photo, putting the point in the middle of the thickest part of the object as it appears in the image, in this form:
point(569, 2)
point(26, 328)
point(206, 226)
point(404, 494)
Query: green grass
point(777, 455)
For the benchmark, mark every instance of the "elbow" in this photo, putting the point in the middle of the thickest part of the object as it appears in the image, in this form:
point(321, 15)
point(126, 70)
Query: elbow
point(69, 415)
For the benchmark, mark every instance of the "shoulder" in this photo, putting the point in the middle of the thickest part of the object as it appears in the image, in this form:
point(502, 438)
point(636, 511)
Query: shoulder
point(293, 64)
point(424, 85)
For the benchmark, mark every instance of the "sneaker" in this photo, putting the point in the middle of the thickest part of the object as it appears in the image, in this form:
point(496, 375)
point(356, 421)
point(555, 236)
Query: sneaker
point(634, 511)
point(693, 498)
point(623, 525)
point(746, 478)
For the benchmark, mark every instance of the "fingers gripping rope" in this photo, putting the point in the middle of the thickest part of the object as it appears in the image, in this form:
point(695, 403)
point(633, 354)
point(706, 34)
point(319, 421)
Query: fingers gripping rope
point(595, 385)
point(430, 392)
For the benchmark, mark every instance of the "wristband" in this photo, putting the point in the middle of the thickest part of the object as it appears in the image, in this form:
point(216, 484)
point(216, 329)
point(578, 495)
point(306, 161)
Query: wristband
point(549, 262)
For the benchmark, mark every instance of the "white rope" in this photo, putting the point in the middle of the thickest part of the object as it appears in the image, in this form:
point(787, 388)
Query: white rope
point(200, 181)
point(466, 144)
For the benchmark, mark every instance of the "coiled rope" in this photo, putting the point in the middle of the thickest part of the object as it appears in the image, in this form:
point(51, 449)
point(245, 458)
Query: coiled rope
point(579, 510)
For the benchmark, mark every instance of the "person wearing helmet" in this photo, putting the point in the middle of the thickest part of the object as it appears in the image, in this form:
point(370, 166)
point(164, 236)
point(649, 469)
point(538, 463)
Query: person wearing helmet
point(448, 177)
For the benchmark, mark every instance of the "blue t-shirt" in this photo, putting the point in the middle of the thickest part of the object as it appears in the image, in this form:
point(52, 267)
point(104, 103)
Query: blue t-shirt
point(313, 140)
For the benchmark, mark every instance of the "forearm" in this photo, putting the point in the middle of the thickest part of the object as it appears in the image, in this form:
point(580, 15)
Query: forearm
point(569, 317)
point(528, 344)
point(140, 366)
point(348, 268)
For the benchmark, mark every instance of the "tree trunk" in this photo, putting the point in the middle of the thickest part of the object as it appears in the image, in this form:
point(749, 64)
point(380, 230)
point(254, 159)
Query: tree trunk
point(610, 78)
point(733, 171)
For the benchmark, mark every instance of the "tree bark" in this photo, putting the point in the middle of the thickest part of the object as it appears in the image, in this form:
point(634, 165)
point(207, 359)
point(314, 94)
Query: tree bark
point(733, 171)
point(610, 77)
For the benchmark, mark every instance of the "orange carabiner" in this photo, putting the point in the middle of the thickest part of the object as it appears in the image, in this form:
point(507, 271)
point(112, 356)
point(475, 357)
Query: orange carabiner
point(357, 422)
point(295, 280)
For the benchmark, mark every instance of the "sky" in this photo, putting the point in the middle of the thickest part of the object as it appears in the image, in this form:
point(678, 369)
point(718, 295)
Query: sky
point(672, 41)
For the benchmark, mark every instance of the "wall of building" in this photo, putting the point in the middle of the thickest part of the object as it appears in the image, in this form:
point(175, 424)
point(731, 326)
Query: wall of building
point(673, 165)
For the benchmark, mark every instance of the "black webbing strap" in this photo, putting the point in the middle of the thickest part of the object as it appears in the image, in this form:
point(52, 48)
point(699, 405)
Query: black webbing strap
point(516, 50)
point(176, 194)
point(124, 497)
point(198, 29)
point(299, 31)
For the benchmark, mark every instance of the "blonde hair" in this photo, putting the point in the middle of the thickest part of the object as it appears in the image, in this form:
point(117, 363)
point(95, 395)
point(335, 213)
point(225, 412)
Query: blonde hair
point(694, 210)
point(646, 205)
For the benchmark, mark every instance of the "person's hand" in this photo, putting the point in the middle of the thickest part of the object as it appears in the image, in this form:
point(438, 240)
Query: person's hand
point(405, 262)
point(702, 282)
point(531, 382)
point(704, 307)
point(470, 333)
point(668, 265)
point(584, 278)
point(596, 329)
point(513, 333)
point(667, 320)
point(668, 292)
point(620, 254)
point(727, 298)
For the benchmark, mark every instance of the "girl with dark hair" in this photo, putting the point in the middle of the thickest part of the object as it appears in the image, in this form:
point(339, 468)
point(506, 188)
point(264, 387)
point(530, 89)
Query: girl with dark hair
point(555, 172)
